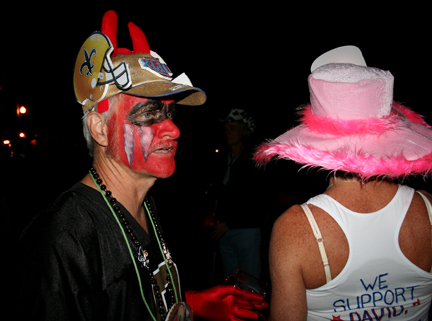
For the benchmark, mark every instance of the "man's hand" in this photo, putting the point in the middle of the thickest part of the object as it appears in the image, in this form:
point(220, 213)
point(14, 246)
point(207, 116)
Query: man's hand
point(225, 303)
point(219, 230)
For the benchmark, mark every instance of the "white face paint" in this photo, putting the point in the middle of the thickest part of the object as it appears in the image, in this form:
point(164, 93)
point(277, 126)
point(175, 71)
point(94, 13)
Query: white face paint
point(145, 133)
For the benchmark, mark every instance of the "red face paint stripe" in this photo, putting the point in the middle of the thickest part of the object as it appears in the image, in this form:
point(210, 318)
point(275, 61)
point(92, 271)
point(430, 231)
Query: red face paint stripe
point(103, 106)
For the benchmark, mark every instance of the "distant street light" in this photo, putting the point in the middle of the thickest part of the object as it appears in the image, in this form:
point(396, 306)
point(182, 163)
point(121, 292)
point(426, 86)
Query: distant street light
point(22, 135)
point(21, 110)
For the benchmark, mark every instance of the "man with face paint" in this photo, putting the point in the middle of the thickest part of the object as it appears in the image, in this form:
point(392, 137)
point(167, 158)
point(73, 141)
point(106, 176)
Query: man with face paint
point(98, 252)
point(143, 137)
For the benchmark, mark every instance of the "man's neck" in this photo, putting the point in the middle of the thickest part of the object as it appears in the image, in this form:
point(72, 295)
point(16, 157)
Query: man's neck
point(128, 187)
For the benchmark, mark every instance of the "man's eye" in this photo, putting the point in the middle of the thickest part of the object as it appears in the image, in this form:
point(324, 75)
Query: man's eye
point(170, 115)
point(147, 115)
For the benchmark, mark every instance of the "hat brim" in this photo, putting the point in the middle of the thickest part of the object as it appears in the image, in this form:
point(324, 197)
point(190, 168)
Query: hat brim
point(402, 151)
point(184, 95)
point(149, 85)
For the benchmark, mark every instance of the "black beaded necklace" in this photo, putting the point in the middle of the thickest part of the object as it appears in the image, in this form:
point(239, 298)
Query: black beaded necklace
point(142, 255)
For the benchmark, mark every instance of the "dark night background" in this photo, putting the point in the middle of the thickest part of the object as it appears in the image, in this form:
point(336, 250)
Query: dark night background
point(254, 57)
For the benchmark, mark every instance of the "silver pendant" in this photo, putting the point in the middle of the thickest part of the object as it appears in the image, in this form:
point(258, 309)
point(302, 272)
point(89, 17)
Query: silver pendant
point(167, 253)
point(143, 258)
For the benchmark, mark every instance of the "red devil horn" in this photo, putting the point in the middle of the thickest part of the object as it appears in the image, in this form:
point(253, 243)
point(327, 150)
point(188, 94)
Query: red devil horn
point(139, 40)
point(109, 26)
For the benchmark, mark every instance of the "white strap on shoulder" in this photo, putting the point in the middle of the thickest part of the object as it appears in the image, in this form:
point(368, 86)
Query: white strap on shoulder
point(429, 209)
point(428, 206)
point(319, 239)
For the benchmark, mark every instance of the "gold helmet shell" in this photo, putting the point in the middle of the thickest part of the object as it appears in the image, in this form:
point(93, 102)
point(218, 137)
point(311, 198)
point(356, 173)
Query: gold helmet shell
point(94, 70)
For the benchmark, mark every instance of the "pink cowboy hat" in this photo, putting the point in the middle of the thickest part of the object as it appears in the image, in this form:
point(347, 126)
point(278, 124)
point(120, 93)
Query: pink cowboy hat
point(352, 123)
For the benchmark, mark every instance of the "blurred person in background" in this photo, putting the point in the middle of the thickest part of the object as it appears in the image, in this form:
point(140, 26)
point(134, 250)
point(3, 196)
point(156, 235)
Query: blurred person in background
point(238, 183)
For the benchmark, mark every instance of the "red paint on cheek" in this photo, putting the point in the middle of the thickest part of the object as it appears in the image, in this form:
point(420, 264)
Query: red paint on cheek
point(112, 150)
point(116, 141)
point(142, 148)
point(153, 141)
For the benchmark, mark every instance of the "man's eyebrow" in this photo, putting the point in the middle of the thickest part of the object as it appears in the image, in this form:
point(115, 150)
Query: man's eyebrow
point(152, 104)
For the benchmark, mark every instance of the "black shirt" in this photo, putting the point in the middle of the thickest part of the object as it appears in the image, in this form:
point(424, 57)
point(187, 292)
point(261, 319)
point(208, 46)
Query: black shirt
point(74, 263)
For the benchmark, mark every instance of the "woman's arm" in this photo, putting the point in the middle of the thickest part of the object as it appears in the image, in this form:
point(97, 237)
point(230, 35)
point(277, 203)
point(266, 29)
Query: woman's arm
point(288, 300)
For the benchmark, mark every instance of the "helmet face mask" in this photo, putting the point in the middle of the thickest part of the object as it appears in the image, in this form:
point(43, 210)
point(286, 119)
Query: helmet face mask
point(94, 70)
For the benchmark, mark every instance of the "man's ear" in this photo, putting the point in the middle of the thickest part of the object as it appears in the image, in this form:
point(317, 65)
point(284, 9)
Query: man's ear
point(98, 128)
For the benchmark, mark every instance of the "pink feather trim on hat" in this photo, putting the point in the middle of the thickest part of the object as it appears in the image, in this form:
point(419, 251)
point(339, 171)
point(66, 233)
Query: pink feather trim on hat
point(410, 114)
point(407, 149)
point(344, 160)
point(336, 127)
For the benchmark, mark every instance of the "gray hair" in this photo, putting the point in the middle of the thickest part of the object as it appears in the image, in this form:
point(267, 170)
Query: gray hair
point(87, 136)
point(106, 116)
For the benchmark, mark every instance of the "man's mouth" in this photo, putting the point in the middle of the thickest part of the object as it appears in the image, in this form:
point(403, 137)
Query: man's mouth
point(167, 148)
point(164, 150)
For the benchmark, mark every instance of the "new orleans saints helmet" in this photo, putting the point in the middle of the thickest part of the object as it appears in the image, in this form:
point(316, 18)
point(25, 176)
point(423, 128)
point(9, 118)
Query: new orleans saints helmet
point(94, 70)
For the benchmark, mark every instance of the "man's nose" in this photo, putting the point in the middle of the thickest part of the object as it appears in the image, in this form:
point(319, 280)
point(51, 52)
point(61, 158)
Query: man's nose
point(168, 128)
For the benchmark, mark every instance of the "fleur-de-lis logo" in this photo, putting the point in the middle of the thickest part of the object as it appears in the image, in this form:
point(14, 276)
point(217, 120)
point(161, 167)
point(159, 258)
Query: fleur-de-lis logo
point(87, 62)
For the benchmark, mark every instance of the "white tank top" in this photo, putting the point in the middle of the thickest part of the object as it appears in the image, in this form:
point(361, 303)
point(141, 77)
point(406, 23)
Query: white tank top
point(378, 281)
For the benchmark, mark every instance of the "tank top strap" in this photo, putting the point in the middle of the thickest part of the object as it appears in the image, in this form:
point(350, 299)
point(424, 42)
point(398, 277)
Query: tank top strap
point(429, 209)
point(319, 239)
point(428, 206)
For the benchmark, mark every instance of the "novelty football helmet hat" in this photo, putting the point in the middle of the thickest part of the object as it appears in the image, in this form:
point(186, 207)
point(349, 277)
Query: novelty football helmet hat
point(94, 70)
point(102, 70)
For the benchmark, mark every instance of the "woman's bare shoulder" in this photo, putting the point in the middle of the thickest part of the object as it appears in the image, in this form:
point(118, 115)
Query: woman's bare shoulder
point(290, 220)
point(290, 230)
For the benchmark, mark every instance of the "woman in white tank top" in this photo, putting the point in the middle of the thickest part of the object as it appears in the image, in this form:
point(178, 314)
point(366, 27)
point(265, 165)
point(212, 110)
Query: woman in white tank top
point(362, 249)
